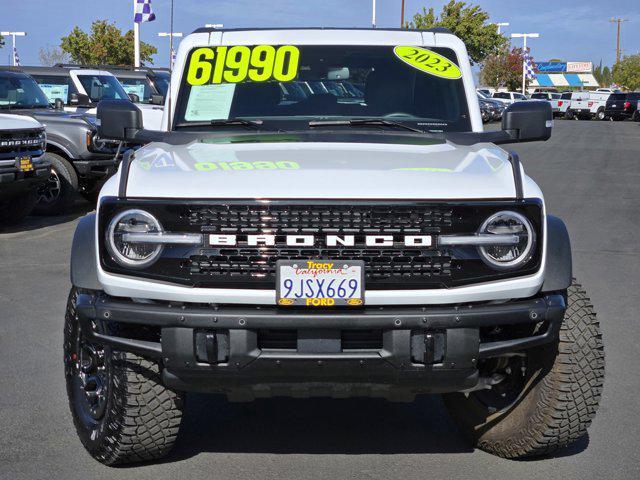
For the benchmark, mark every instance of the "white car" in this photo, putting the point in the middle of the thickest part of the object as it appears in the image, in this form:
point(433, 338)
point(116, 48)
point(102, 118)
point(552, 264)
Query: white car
point(552, 97)
point(23, 167)
point(322, 245)
point(80, 90)
point(510, 97)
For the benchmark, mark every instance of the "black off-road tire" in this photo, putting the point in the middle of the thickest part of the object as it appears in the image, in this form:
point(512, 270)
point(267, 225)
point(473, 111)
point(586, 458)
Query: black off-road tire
point(15, 209)
point(142, 417)
point(66, 179)
point(569, 115)
point(559, 401)
point(600, 115)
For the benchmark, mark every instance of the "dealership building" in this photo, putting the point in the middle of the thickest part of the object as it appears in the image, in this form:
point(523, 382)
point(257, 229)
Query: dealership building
point(564, 74)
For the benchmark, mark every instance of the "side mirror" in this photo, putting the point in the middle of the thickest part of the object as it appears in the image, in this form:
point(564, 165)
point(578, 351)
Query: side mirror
point(119, 120)
point(134, 98)
point(528, 121)
point(157, 99)
point(79, 99)
point(58, 104)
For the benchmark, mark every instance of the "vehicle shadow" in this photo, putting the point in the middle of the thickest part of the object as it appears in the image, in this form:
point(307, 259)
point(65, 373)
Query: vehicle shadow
point(323, 426)
point(35, 222)
point(316, 426)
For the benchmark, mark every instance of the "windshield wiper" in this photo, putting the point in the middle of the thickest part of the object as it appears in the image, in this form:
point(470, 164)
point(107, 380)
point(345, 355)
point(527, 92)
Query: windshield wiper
point(363, 122)
point(237, 121)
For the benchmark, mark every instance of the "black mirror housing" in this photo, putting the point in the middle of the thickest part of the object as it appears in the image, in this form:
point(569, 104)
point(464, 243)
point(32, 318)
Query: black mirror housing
point(134, 98)
point(119, 120)
point(157, 99)
point(58, 104)
point(528, 121)
point(79, 99)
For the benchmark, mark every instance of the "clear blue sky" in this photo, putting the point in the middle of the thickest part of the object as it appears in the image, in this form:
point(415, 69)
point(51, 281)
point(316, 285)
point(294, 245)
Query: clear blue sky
point(577, 30)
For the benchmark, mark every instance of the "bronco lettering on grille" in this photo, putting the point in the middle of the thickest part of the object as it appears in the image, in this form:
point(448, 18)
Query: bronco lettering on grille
point(216, 240)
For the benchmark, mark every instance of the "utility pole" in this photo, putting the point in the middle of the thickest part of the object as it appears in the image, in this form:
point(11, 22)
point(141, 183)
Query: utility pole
point(619, 22)
point(13, 39)
point(402, 15)
point(524, 37)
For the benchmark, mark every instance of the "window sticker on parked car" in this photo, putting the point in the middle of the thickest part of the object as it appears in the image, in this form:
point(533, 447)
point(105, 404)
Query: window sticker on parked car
point(55, 91)
point(240, 63)
point(208, 102)
point(428, 61)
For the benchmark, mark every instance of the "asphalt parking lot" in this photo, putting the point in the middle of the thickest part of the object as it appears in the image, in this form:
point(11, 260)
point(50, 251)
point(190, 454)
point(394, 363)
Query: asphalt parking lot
point(590, 173)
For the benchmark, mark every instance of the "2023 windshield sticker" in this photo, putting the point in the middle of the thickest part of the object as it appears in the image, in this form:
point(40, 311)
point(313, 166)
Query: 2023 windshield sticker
point(235, 64)
point(428, 61)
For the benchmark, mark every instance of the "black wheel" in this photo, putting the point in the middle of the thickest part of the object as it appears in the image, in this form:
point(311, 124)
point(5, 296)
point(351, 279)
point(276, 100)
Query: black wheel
point(600, 114)
point(543, 399)
point(14, 209)
point(636, 116)
point(569, 115)
point(58, 193)
point(121, 411)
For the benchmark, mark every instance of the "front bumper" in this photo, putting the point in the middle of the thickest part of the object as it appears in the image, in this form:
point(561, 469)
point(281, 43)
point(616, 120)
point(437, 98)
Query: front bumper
point(221, 348)
point(98, 167)
point(13, 182)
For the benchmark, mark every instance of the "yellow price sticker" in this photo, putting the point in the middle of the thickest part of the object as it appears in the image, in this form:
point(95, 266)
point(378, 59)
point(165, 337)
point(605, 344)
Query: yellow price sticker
point(428, 61)
point(234, 64)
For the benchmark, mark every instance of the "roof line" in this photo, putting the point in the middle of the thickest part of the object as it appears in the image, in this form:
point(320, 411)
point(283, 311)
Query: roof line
point(430, 30)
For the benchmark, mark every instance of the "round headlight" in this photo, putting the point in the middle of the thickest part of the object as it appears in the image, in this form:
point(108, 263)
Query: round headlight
point(129, 254)
point(510, 255)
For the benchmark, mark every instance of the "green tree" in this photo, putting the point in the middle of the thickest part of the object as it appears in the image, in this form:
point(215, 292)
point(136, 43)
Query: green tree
point(607, 77)
point(503, 69)
point(104, 45)
point(626, 73)
point(470, 23)
point(49, 56)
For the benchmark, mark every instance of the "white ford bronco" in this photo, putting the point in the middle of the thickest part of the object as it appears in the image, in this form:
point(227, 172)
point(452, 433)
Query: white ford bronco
point(323, 215)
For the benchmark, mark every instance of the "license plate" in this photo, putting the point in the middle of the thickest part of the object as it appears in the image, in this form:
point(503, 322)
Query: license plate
point(320, 283)
point(24, 164)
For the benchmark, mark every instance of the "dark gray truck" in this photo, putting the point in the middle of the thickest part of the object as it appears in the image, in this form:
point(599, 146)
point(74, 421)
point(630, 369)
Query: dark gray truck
point(80, 161)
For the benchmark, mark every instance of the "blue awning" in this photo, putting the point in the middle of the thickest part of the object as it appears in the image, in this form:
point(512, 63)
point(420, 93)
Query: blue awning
point(544, 80)
point(573, 79)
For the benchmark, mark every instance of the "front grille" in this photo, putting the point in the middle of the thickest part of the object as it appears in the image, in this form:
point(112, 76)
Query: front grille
point(254, 267)
point(347, 219)
point(14, 143)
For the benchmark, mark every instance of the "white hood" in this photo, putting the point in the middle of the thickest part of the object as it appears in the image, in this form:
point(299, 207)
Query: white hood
point(17, 122)
point(307, 170)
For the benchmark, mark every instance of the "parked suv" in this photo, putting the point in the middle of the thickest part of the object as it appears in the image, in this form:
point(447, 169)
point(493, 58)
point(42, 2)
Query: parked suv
point(23, 167)
point(510, 97)
point(81, 161)
point(621, 106)
point(324, 247)
point(80, 89)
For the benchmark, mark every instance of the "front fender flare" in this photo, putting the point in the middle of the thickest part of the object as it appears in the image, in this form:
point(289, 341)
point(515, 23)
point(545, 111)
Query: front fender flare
point(84, 271)
point(558, 271)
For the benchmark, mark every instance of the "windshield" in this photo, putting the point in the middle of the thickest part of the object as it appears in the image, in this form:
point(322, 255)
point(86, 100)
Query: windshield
point(100, 87)
point(161, 81)
point(138, 86)
point(55, 86)
point(21, 92)
point(418, 87)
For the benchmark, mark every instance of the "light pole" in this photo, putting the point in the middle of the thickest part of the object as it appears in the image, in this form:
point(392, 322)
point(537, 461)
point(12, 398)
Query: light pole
point(13, 39)
point(501, 24)
point(524, 37)
point(373, 14)
point(171, 36)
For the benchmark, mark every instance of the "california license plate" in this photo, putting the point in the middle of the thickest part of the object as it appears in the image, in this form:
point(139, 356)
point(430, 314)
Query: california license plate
point(320, 283)
point(24, 164)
